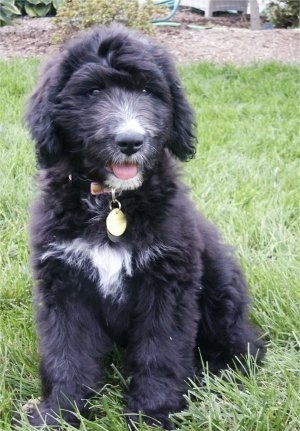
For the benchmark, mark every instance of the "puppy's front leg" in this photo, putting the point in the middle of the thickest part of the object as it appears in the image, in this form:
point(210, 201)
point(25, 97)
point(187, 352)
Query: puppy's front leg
point(72, 343)
point(160, 352)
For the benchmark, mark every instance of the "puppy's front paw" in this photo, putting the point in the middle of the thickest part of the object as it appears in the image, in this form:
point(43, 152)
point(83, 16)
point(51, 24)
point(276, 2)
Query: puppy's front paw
point(133, 420)
point(37, 417)
point(40, 414)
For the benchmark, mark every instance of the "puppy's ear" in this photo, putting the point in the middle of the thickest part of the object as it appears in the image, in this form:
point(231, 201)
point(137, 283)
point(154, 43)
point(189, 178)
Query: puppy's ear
point(38, 116)
point(182, 141)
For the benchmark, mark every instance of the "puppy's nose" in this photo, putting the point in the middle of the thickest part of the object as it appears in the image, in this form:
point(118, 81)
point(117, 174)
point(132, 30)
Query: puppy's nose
point(129, 142)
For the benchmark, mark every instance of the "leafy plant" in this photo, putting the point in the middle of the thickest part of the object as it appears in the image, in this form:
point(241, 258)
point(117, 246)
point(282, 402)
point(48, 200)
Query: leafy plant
point(284, 13)
point(74, 15)
point(7, 10)
point(38, 8)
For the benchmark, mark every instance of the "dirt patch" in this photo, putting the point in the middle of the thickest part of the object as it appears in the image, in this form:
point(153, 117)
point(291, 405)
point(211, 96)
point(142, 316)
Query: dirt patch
point(223, 39)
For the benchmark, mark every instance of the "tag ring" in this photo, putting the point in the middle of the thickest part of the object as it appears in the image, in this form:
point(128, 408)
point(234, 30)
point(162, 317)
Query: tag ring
point(114, 203)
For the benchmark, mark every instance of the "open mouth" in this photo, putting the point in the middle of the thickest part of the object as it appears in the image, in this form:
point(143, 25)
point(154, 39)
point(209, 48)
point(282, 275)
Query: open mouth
point(125, 171)
point(124, 176)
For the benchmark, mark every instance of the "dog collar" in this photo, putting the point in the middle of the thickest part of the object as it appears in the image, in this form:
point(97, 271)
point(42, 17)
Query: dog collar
point(116, 221)
point(88, 185)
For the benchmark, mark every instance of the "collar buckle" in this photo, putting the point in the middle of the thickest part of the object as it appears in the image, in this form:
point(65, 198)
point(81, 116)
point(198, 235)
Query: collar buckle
point(89, 186)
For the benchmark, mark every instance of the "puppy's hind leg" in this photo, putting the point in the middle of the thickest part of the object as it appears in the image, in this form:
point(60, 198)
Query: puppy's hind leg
point(224, 332)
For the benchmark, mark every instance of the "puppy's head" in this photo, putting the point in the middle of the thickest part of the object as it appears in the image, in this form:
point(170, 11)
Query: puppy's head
point(109, 106)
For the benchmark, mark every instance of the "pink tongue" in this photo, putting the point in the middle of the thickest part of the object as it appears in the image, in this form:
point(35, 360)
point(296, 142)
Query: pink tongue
point(124, 172)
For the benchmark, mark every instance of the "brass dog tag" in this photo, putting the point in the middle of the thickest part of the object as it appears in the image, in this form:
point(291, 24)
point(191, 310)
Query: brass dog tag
point(116, 224)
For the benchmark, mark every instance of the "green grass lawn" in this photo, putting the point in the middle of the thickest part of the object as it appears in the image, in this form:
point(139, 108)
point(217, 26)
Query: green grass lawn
point(245, 178)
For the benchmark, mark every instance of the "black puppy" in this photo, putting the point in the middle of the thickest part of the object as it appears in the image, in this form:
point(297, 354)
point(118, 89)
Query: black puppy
point(120, 254)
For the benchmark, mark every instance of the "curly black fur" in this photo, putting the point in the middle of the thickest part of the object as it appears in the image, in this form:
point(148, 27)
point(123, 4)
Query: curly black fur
point(169, 287)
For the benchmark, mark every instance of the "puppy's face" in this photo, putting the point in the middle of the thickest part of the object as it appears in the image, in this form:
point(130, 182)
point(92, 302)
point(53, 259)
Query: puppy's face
point(114, 124)
point(109, 106)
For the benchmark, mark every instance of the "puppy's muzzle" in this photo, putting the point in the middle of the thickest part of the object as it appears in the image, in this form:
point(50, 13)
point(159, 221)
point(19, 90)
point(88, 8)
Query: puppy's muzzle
point(130, 142)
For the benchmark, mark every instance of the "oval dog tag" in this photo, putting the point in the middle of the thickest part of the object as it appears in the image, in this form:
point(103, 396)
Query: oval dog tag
point(116, 222)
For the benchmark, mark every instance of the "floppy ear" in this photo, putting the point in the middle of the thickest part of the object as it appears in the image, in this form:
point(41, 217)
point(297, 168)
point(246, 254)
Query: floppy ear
point(39, 113)
point(182, 141)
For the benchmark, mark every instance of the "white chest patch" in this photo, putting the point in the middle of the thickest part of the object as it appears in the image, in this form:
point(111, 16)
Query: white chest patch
point(109, 264)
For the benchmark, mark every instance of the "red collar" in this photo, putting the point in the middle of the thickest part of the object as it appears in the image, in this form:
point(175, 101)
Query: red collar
point(89, 186)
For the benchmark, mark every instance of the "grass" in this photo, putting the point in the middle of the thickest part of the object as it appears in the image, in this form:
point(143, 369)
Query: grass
point(245, 178)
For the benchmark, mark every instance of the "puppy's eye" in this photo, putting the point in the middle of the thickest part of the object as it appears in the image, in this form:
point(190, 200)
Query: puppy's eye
point(95, 91)
point(145, 90)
